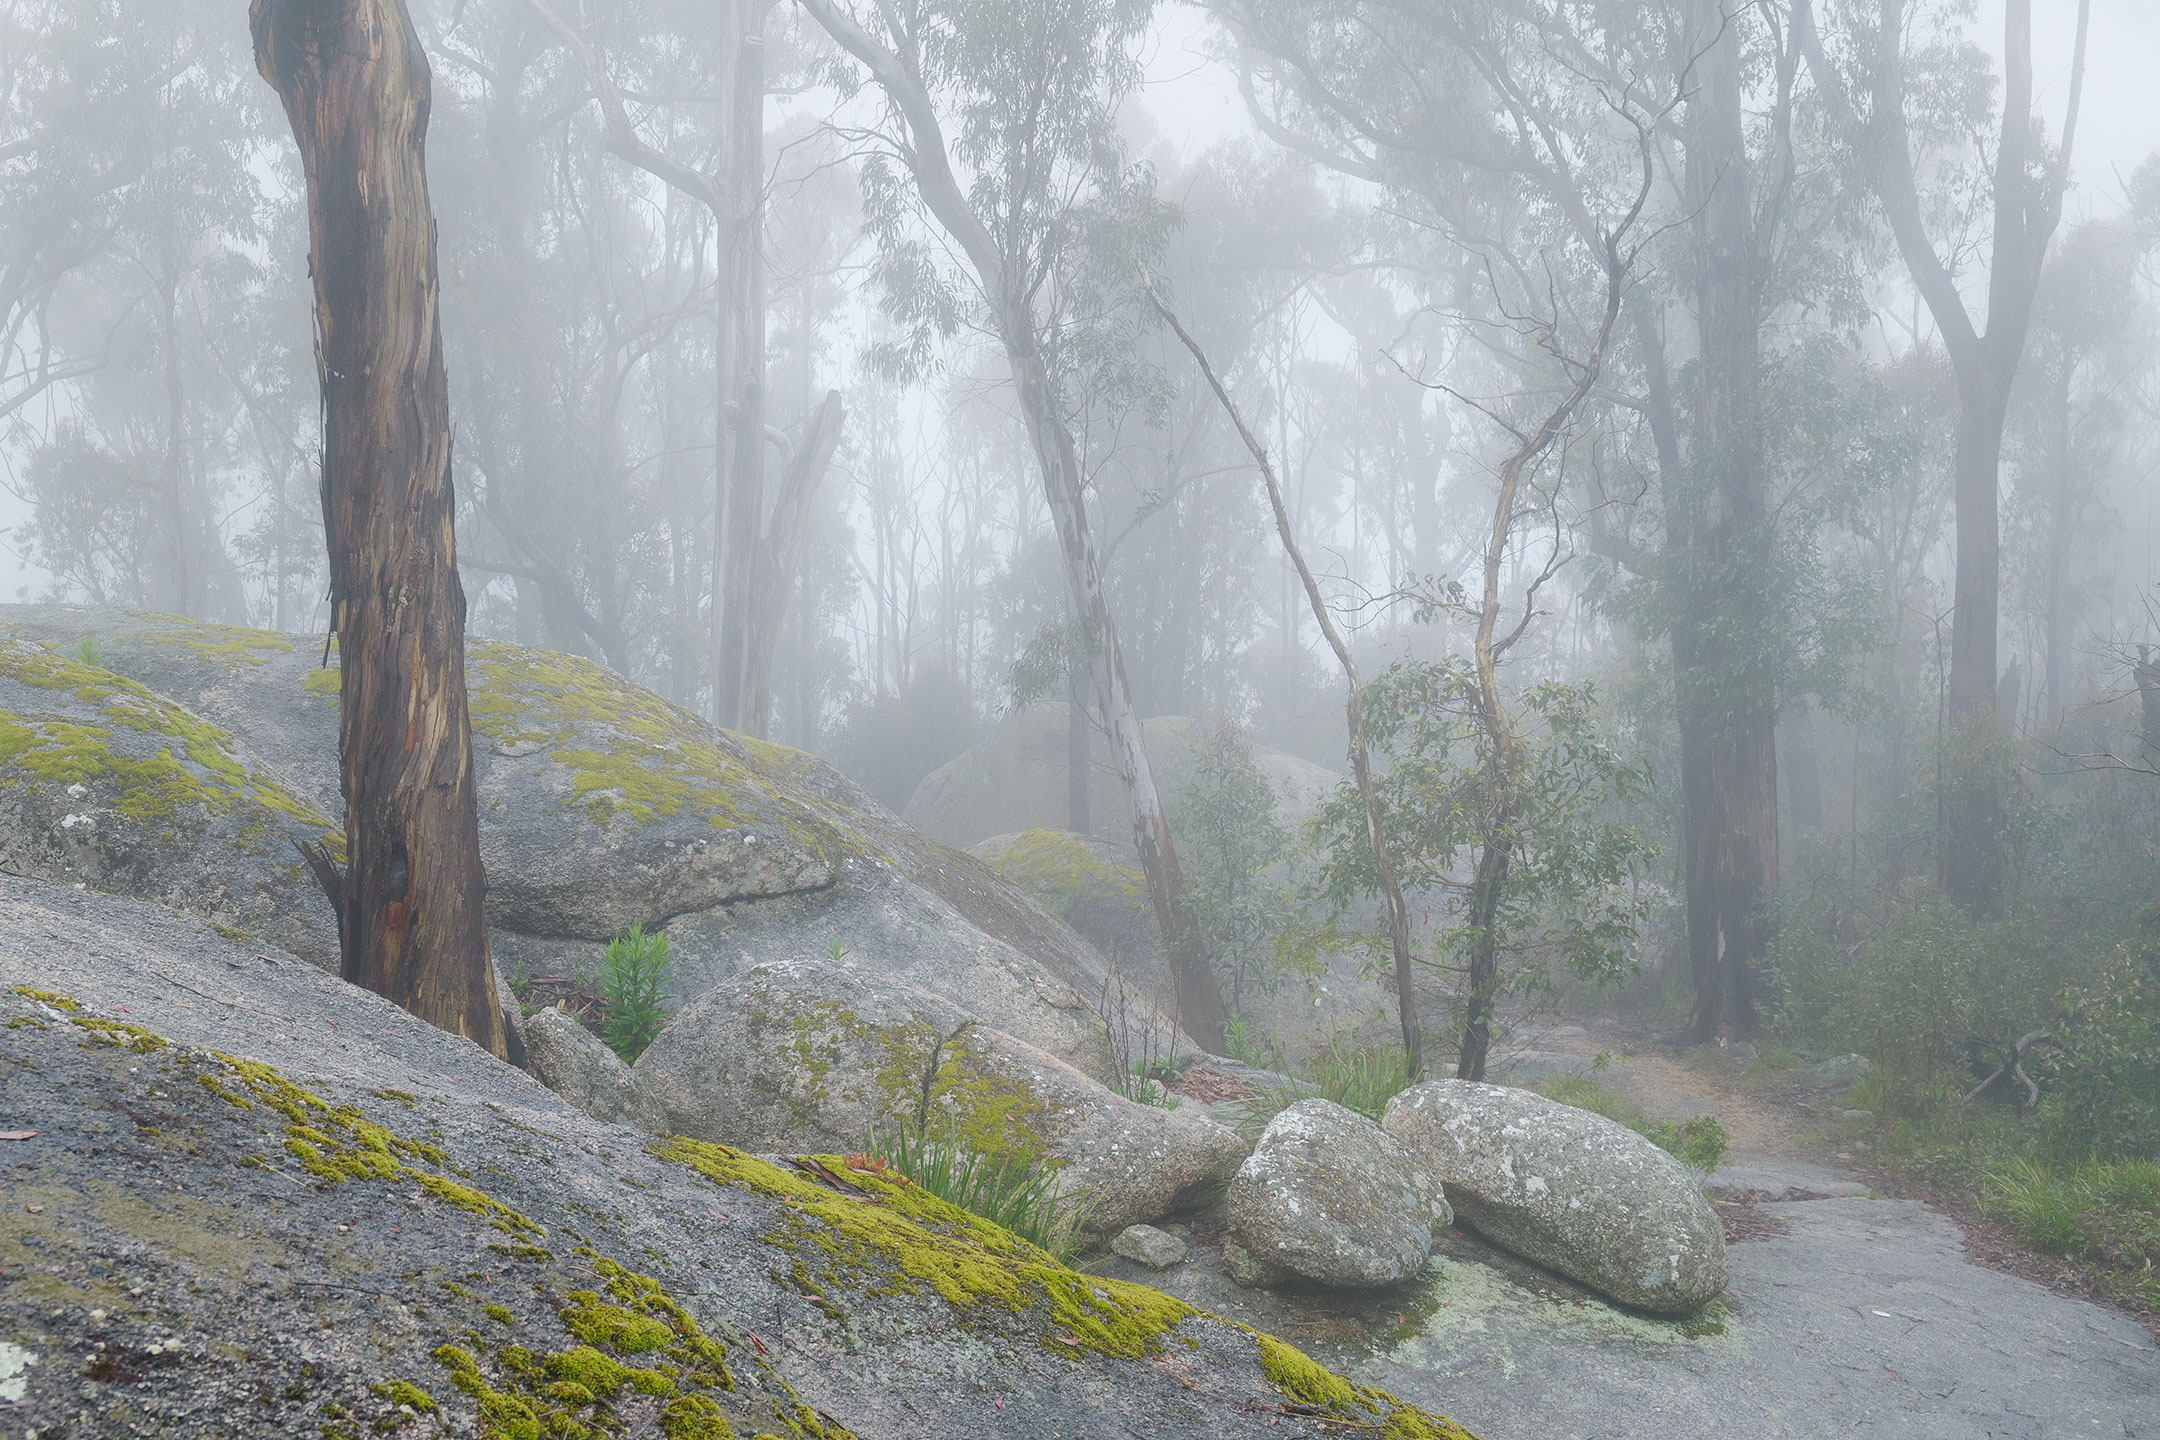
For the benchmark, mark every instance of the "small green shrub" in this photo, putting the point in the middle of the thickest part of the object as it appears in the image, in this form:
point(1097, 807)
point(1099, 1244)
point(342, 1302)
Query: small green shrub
point(87, 651)
point(2107, 1077)
point(635, 976)
point(1025, 1198)
point(1699, 1142)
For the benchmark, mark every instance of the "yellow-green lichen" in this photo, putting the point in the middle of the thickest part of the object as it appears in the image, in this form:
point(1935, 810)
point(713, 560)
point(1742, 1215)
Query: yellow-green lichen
point(909, 1240)
point(1059, 870)
point(969, 1097)
point(119, 1033)
point(1312, 1386)
point(653, 760)
point(49, 997)
point(403, 1392)
point(227, 644)
point(195, 766)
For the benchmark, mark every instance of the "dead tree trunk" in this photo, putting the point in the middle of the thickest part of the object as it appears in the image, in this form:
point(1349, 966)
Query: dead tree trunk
point(355, 85)
point(1011, 300)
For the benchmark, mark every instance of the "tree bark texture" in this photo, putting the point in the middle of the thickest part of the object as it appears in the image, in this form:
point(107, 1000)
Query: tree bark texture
point(355, 85)
point(1727, 702)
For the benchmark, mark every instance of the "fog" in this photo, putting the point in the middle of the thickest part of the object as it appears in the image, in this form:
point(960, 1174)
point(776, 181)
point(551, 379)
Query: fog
point(1742, 532)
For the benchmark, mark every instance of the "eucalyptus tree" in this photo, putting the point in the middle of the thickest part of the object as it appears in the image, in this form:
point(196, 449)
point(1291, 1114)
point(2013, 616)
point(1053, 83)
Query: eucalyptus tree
point(2025, 193)
point(1043, 220)
point(1490, 124)
point(354, 80)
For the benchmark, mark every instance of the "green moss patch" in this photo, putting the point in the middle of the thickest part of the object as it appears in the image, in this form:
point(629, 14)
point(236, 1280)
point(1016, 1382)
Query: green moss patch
point(1312, 1386)
point(906, 1240)
point(192, 764)
point(1059, 870)
point(629, 752)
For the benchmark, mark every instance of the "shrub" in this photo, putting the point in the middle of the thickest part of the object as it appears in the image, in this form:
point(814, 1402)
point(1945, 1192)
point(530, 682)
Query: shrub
point(634, 975)
point(2107, 1077)
point(1023, 1197)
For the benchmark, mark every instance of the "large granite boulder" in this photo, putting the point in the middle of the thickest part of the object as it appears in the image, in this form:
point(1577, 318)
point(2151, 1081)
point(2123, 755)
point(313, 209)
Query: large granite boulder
point(1330, 1199)
point(1571, 1190)
point(1015, 778)
point(814, 1055)
point(1096, 886)
point(601, 806)
point(261, 1203)
point(107, 785)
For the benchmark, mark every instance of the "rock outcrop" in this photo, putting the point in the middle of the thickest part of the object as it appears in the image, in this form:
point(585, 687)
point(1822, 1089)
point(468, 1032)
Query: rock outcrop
point(1096, 886)
point(261, 1203)
point(814, 1055)
point(111, 786)
point(1573, 1191)
point(601, 806)
point(1015, 779)
point(1328, 1198)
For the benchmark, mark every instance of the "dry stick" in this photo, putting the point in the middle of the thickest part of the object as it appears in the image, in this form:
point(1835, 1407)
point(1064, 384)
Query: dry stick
point(1353, 707)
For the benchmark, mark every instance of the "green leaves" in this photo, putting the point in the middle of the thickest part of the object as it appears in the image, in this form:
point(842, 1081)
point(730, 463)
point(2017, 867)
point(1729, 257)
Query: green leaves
point(634, 975)
point(1569, 900)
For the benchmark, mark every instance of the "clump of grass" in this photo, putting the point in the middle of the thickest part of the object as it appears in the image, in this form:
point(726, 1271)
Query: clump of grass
point(1357, 1077)
point(1699, 1143)
point(634, 975)
point(1024, 1197)
point(2104, 1215)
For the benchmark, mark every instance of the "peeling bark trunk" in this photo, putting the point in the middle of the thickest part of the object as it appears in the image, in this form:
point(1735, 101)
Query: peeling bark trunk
point(1199, 998)
point(355, 85)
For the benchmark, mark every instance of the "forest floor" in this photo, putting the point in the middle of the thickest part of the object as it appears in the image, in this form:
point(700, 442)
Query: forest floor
point(1851, 1311)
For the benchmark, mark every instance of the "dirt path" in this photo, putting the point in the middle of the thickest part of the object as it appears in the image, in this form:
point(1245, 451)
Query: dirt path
point(1849, 1314)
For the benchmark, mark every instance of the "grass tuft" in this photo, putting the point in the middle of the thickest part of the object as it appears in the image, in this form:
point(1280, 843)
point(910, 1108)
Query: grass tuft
point(1015, 1194)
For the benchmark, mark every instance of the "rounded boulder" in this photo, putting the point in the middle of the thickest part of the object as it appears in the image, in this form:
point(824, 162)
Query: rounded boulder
point(1573, 1191)
point(1330, 1199)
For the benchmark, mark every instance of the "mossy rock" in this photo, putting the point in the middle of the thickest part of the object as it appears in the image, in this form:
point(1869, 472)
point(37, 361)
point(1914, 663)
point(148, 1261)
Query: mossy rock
point(816, 1055)
point(107, 785)
point(295, 1210)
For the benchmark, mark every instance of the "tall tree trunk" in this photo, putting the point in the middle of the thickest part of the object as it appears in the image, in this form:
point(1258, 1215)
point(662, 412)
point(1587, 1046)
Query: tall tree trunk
point(2027, 196)
point(1728, 728)
point(778, 555)
point(739, 703)
point(1200, 1006)
point(1199, 998)
point(355, 85)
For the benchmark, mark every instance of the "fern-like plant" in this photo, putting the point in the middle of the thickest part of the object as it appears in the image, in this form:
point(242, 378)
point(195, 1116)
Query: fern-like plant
point(634, 975)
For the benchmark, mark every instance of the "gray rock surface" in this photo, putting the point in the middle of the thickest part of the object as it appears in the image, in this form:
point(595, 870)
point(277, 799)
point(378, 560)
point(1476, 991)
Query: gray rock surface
point(195, 1249)
point(1837, 1074)
point(811, 1055)
point(1329, 1198)
point(105, 784)
point(578, 1065)
point(601, 806)
point(1146, 1245)
point(1096, 886)
point(1568, 1189)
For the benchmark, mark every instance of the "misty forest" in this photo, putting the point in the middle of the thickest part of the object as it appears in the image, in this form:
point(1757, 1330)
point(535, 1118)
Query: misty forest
point(824, 717)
